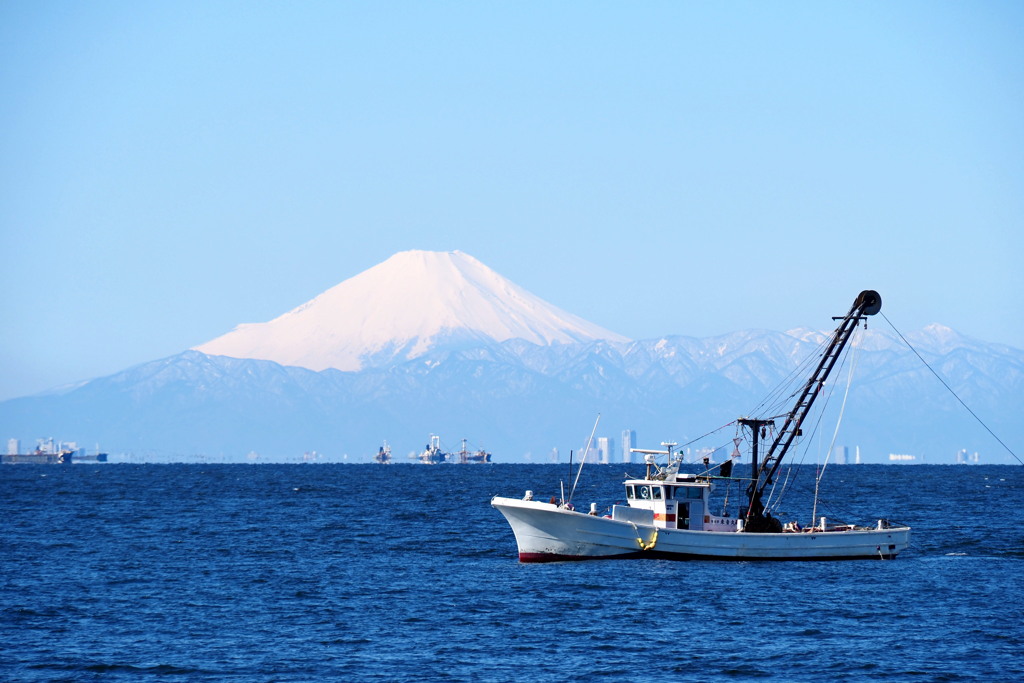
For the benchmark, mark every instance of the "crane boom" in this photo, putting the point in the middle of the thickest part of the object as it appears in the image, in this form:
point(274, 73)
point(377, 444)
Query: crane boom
point(867, 303)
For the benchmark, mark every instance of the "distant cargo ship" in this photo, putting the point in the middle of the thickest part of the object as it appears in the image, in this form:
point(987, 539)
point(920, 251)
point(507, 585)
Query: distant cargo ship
point(433, 455)
point(94, 457)
point(466, 457)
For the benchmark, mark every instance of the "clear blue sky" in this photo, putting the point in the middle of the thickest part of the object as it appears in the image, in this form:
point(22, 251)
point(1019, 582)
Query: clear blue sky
point(169, 170)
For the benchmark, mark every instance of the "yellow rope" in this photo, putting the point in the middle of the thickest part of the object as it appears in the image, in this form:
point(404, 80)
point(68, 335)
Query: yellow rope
point(640, 541)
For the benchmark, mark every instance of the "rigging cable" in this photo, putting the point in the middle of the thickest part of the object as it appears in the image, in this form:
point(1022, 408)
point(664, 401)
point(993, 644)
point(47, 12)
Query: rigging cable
point(716, 429)
point(793, 382)
point(796, 382)
point(815, 430)
point(839, 421)
point(948, 388)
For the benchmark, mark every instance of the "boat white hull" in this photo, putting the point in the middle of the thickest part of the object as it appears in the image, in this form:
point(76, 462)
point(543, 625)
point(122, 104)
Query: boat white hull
point(547, 533)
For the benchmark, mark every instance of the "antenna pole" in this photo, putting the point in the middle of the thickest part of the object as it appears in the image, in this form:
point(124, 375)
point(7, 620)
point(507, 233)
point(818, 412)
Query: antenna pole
point(584, 460)
point(564, 501)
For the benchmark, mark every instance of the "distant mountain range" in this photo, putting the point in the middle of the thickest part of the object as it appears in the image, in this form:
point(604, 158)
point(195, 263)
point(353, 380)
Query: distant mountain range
point(436, 343)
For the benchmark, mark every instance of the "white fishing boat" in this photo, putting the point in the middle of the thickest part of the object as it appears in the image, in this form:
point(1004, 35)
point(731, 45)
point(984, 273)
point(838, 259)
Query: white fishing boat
point(669, 514)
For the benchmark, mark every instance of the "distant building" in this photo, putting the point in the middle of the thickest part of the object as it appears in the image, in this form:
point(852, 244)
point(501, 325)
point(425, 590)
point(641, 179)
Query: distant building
point(840, 455)
point(965, 458)
point(902, 458)
point(13, 447)
point(606, 448)
point(697, 455)
point(628, 444)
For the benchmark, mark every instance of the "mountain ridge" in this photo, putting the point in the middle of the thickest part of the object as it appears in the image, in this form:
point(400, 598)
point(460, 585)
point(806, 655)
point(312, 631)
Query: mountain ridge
point(517, 398)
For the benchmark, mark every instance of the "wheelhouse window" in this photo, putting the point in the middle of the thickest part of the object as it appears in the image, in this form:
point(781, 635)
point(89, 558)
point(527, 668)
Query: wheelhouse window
point(630, 491)
point(694, 492)
point(645, 492)
point(656, 492)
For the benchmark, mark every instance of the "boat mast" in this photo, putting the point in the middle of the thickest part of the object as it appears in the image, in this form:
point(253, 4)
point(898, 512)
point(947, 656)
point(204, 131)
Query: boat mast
point(755, 508)
point(868, 302)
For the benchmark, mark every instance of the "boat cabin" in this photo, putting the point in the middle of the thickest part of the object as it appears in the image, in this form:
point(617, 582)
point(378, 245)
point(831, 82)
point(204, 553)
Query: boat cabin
point(679, 501)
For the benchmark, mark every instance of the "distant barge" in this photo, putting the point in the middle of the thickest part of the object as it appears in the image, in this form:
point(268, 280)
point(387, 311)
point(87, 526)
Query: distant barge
point(38, 458)
point(47, 457)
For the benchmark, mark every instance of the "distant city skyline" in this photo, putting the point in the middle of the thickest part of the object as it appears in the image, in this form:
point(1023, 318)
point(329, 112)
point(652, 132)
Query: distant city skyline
point(603, 453)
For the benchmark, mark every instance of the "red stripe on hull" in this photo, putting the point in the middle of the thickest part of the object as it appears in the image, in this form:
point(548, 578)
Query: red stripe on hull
point(655, 555)
point(550, 557)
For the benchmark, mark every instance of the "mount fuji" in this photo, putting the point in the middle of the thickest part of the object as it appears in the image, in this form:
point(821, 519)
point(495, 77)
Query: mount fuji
point(437, 343)
point(412, 303)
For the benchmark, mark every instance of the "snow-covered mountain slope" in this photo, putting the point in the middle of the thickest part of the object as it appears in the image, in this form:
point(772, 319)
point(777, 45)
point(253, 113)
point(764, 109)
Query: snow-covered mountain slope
point(402, 308)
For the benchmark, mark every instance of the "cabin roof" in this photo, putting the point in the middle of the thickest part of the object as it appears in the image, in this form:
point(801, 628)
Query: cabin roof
point(680, 480)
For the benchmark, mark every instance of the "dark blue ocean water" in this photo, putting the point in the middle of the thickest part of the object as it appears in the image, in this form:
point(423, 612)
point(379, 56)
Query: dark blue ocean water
point(405, 572)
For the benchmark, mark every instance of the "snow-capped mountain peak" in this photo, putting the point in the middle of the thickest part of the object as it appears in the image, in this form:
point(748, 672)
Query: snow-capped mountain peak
point(402, 308)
